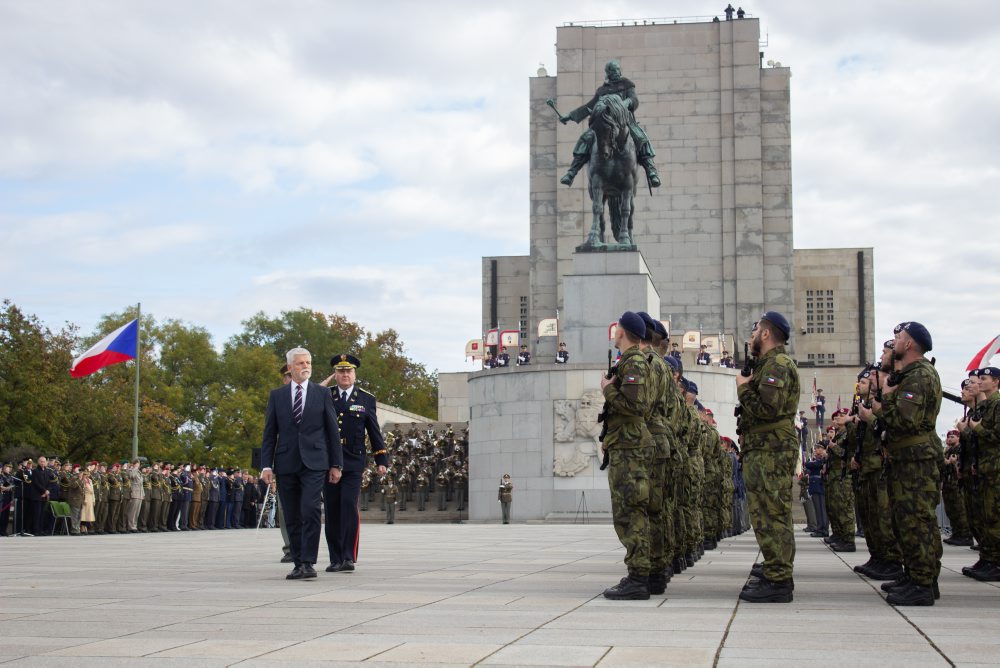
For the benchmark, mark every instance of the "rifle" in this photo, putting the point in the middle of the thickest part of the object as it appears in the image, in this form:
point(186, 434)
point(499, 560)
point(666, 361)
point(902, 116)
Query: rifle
point(746, 371)
point(603, 417)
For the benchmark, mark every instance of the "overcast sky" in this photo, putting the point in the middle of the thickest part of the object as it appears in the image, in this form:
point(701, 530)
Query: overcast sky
point(213, 159)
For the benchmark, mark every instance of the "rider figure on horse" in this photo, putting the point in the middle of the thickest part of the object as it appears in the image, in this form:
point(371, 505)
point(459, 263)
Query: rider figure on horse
point(615, 84)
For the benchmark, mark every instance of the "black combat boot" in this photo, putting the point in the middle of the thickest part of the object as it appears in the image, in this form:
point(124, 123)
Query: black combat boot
point(668, 573)
point(990, 572)
point(865, 567)
point(765, 591)
point(914, 594)
point(968, 570)
point(757, 570)
point(657, 583)
point(961, 541)
point(631, 588)
point(679, 564)
point(689, 559)
point(895, 585)
point(843, 546)
point(886, 570)
point(818, 534)
point(830, 540)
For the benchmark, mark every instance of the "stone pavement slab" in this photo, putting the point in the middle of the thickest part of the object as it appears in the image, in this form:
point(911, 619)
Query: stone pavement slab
point(471, 594)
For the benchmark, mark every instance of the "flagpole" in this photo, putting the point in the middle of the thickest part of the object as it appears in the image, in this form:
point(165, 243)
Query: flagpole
point(138, 358)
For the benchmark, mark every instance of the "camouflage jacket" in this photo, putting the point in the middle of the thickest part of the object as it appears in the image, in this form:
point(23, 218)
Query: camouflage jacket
point(770, 402)
point(628, 400)
point(871, 456)
point(910, 413)
point(661, 384)
point(988, 432)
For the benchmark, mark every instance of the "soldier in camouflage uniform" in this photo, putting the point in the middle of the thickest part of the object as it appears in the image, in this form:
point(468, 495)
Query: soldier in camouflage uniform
point(631, 452)
point(909, 404)
point(987, 433)
point(951, 492)
point(886, 561)
point(695, 478)
point(967, 455)
point(768, 403)
point(677, 479)
point(505, 494)
point(839, 491)
point(661, 388)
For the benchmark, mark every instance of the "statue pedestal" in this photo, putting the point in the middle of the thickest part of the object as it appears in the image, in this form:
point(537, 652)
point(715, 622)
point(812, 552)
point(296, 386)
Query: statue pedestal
point(601, 288)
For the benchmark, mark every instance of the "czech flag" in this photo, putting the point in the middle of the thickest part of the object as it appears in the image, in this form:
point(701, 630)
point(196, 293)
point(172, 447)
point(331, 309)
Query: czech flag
point(118, 346)
point(983, 357)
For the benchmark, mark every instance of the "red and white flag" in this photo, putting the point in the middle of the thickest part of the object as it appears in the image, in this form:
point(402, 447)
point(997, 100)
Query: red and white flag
point(118, 346)
point(984, 356)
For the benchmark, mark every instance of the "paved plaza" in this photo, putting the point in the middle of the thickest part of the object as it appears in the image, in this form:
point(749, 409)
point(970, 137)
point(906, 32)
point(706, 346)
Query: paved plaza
point(460, 594)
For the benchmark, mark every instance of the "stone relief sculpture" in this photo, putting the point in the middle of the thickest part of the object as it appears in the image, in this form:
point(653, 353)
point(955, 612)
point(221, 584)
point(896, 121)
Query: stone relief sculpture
point(576, 432)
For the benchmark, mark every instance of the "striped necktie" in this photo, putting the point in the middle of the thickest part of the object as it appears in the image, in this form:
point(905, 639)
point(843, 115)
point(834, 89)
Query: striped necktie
point(297, 405)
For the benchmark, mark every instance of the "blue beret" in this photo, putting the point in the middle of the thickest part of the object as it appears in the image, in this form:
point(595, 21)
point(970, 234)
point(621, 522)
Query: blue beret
point(778, 321)
point(650, 324)
point(673, 362)
point(699, 406)
point(661, 329)
point(633, 324)
point(691, 387)
point(865, 373)
point(990, 371)
point(965, 383)
point(918, 333)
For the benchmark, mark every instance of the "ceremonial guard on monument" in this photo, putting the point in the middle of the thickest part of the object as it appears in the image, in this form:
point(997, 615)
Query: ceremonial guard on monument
point(356, 417)
point(614, 84)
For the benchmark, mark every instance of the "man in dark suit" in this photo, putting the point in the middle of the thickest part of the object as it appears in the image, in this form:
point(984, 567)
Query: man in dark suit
point(302, 446)
point(41, 478)
point(355, 418)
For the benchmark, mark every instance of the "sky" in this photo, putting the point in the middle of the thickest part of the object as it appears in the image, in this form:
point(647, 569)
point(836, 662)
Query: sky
point(215, 159)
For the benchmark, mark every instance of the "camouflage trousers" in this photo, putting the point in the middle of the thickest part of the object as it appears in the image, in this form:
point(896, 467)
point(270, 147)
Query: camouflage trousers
point(629, 481)
point(973, 506)
point(694, 518)
point(954, 507)
point(709, 505)
point(840, 506)
point(681, 496)
point(989, 486)
point(914, 495)
point(768, 476)
point(661, 515)
point(873, 503)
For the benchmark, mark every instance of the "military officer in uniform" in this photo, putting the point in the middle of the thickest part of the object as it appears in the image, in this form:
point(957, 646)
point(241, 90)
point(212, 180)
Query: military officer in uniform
point(503, 359)
point(355, 417)
point(390, 493)
point(505, 494)
point(614, 84)
point(631, 453)
point(987, 464)
point(909, 401)
point(769, 399)
point(562, 355)
point(524, 357)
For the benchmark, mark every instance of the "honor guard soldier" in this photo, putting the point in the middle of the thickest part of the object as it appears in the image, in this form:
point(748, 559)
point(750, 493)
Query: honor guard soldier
point(505, 494)
point(356, 417)
point(704, 357)
point(503, 359)
point(562, 355)
point(769, 398)
point(908, 401)
point(524, 357)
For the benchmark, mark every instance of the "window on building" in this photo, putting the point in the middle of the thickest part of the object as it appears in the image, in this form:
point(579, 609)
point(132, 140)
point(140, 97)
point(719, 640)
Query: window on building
point(819, 312)
point(822, 359)
point(524, 317)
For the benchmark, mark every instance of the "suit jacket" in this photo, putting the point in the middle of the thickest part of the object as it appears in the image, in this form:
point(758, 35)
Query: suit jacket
point(355, 418)
point(314, 444)
point(135, 482)
point(40, 478)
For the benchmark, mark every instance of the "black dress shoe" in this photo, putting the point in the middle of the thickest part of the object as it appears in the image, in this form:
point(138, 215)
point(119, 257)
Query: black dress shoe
point(287, 559)
point(333, 567)
point(296, 574)
point(308, 571)
point(347, 566)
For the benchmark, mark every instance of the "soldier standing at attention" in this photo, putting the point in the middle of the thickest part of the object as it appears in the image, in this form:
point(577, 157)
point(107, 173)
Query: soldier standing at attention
point(503, 359)
point(839, 490)
point(422, 489)
point(631, 452)
point(909, 404)
point(524, 357)
point(505, 495)
point(987, 430)
point(768, 401)
point(951, 493)
point(390, 493)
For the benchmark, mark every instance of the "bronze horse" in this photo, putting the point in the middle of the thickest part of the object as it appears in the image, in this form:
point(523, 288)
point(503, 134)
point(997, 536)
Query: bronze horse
point(612, 171)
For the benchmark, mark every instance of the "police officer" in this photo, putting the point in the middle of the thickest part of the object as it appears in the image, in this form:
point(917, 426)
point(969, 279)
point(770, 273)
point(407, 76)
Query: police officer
point(356, 417)
point(769, 399)
point(909, 404)
point(631, 452)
